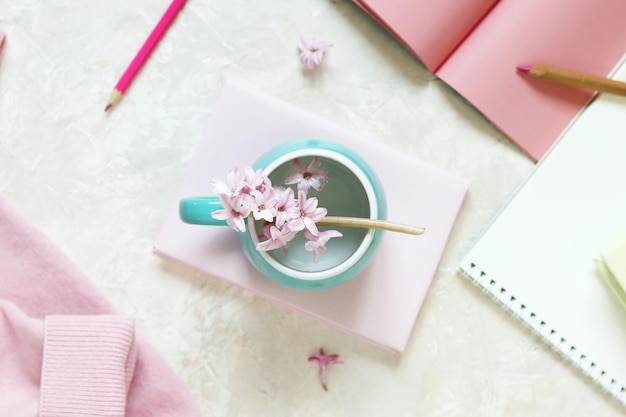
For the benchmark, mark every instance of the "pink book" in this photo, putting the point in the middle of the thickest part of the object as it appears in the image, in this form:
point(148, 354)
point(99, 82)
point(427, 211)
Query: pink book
point(475, 47)
point(380, 305)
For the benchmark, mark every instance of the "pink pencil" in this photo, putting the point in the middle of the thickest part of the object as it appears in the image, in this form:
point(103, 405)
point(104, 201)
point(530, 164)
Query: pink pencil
point(144, 52)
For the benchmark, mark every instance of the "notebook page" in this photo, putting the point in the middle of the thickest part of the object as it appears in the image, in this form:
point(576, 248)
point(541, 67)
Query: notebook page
point(431, 30)
point(582, 35)
point(537, 258)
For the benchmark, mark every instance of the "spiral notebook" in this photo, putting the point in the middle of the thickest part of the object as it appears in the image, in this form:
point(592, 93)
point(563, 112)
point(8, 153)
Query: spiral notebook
point(536, 259)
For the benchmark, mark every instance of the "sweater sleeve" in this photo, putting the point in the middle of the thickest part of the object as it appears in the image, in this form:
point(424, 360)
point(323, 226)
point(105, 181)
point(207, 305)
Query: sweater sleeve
point(88, 364)
point(65, 365)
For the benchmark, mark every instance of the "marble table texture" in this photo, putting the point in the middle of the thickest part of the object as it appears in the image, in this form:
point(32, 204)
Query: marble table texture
point(99, 184)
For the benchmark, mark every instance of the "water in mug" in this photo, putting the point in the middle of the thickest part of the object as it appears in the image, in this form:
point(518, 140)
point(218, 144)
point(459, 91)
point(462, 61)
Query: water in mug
point(343, 195)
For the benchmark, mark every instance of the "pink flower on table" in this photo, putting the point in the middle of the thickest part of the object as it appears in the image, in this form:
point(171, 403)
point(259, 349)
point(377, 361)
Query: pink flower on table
point(278, 238)
point(312, 51)
point(286, 206)
point(309, 214)
point(263, 205)
point(235, 210)
point(325, 362)
point(309, 177)
point(317, 244)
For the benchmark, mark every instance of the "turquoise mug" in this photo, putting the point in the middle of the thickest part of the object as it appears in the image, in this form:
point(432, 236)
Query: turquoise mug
point(352, 190)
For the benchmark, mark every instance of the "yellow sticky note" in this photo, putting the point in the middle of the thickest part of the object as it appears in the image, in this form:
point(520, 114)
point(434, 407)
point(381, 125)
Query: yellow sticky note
point(612, 266)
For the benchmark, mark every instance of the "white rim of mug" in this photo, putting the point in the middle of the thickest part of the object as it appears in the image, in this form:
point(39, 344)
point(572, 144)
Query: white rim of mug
point(365, 243)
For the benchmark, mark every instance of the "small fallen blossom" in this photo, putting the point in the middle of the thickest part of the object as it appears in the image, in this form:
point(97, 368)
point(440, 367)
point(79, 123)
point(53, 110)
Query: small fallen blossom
point(325, 362)
point(251, 193)
point(312, 51)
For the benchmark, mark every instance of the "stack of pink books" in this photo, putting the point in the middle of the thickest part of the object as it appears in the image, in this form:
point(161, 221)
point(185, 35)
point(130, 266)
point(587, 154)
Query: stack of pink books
point(475, 47)
point(381, 304)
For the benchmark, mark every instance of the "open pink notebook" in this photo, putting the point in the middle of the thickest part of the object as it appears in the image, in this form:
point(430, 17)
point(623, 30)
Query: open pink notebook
point(475, 47)
point(380, 305)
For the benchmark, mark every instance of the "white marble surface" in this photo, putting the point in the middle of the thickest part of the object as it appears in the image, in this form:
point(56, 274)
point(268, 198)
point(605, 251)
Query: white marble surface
point(99, 185)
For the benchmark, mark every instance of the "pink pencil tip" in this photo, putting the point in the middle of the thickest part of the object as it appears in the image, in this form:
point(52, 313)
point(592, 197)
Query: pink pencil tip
point(108, 107)
point(524, 68)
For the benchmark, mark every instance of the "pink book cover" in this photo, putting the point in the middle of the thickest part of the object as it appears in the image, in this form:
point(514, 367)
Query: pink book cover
point(475, 47)
point(381, 304)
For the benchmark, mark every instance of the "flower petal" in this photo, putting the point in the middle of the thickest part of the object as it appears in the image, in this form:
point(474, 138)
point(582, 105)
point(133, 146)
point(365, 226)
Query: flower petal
point(294, 179)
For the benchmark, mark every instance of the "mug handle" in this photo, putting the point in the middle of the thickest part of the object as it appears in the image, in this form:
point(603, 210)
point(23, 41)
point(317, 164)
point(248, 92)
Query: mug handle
point(197, 210)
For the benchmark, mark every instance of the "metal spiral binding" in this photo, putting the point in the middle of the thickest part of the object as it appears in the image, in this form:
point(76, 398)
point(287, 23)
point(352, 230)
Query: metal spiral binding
point(550, 336)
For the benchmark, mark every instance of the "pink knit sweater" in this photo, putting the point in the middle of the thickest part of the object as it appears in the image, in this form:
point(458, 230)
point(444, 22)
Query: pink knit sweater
point(64, 350)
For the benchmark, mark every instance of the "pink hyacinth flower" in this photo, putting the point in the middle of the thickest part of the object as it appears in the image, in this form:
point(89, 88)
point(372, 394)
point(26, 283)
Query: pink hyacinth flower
point(309, 177)
point(317, 244)
point(235, 182)
point(235, 210)
point(278, 238)
point(312, 51)
point(255, 180)
point(286, 206)
point(325, 362)
point(309, 214)
point(263, 205)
